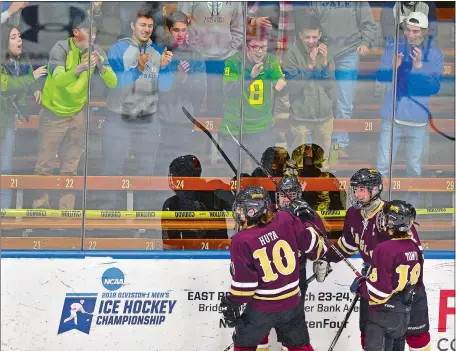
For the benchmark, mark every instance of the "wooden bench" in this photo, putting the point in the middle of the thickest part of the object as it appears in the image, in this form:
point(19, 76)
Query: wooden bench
point(129, 184)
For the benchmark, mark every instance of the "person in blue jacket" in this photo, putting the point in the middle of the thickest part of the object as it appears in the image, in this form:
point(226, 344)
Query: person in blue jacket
point(419, 67)
point(142, 70)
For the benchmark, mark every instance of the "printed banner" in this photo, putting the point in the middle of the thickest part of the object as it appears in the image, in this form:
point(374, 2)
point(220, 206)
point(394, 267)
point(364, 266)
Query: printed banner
point(166, 305)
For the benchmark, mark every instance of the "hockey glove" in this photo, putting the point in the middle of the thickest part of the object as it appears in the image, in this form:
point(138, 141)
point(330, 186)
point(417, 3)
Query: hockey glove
point(365, 269)
point(354, 288)
point(301, 209)
point(231, 311)
point(321, 270)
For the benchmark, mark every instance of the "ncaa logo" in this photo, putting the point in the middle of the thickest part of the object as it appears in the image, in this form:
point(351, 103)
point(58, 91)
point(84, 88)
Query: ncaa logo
point(113, 279)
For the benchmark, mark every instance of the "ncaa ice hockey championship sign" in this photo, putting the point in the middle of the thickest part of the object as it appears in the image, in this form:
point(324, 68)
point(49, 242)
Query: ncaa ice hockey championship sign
point(114, 306)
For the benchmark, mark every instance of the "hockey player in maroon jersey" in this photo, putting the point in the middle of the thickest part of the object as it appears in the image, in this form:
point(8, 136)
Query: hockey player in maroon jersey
point(265, 271)
point(360, 233)
point(293, 188)
point(395, 273)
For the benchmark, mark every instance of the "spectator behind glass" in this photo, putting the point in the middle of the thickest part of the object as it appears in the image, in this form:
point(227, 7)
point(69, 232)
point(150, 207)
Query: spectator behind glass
point(188, 90)
point(17, 78)
point(12, 13)
point(349, 31)
point(262, 75)
point(63, 116)
point(309, 160)
point(142, 69)
point(190, 200)
point(216, 32)
point(309, 70)
point(419, 67)
point(388, 17)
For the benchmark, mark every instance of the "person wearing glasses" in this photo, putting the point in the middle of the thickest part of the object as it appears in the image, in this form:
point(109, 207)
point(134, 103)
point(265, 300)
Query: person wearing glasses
point(262, 75)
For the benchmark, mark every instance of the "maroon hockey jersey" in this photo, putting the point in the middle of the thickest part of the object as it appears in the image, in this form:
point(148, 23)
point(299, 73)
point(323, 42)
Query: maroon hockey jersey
point(265, 262)
point(395, 264)
point(362, 235)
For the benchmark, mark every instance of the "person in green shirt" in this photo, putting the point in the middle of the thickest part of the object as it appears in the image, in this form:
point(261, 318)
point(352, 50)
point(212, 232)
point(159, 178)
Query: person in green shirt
point(262, 76)
point(65, 94)
point(17, 78)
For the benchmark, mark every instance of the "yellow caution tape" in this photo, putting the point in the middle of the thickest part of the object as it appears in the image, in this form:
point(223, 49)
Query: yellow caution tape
point(99, 214)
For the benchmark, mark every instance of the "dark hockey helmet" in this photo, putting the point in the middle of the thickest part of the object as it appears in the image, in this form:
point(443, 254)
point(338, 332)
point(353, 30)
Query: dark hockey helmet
point(252, 202)
point(183, 166)
point(274, 159)
point(292, 187)
point(369, 178)
point(397, 216)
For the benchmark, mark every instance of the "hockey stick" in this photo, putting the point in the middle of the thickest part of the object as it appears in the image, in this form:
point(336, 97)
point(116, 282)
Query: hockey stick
point(344, 322)
point(325, 238)
point(431, 119)
point(208, 133)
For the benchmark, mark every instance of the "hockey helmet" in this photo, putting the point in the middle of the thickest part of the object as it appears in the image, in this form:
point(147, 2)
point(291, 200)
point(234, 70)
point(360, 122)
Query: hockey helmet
point(183, 166)
point(397, 216)
point(292, 187)
point(252, 202)
point(369, 178)
point(274, 159)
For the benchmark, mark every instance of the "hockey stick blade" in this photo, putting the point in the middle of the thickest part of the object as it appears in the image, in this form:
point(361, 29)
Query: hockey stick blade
point(344, 322)
point(208, 133)
point(325, 238)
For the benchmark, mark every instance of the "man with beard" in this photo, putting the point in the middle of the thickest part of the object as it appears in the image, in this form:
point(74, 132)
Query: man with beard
point(262, 73)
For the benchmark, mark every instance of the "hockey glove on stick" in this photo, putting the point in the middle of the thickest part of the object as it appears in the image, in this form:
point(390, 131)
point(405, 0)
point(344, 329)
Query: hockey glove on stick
point(365, 269)
point(357, 282)
point(231, 311)
point(301, 209)
point(321, 269)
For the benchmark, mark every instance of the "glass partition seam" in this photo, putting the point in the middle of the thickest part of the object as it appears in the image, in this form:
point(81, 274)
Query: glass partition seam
point(243, 48)
point(394, 92)
point(86, 139)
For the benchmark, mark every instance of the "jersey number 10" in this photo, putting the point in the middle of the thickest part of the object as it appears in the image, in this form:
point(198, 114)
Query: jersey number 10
point(283, 268)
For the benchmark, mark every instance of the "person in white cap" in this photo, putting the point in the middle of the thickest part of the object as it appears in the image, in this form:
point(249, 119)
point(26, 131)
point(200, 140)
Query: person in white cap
point(419, 66)
point(388, 21)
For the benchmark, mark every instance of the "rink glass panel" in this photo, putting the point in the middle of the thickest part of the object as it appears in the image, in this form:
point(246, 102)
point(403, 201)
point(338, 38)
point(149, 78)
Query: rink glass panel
point(121, 200)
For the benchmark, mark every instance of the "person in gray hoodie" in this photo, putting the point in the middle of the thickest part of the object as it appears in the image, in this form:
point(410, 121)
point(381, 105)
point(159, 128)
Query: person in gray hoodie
point(216, 32)
point(178, 135)
point(309, 70)
point(349, 31)
point(142, 70)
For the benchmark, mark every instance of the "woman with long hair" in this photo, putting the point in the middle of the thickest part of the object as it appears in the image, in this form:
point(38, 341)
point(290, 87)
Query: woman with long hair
point(16, 78)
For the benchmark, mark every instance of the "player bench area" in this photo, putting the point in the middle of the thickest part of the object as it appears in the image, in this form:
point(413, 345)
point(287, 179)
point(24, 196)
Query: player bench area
point(436, 220)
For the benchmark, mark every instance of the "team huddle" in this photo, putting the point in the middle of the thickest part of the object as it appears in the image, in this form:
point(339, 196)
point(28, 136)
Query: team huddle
point(268, 267)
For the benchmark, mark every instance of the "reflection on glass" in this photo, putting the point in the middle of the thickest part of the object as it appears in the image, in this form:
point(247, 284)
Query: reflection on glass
point(312, 89)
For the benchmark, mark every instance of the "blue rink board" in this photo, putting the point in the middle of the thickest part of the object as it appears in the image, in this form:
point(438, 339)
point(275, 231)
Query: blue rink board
point(168, 254)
